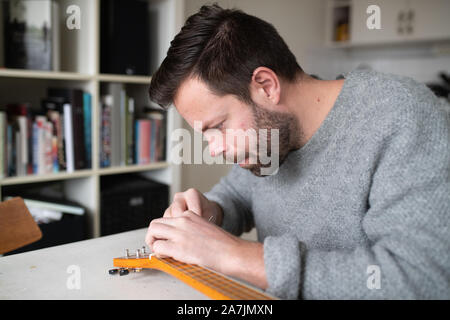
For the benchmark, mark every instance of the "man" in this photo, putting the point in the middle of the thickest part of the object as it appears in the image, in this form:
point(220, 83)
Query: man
point(360, 204)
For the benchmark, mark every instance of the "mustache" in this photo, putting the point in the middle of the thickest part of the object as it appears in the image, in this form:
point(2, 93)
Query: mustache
point(254, 158)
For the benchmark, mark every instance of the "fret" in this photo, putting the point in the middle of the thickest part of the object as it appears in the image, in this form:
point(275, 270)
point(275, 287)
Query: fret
point(198, 274)
point(205, 275)
point(217, 281)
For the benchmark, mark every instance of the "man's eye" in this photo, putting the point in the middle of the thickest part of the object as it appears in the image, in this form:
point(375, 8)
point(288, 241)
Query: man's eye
point(219, 126)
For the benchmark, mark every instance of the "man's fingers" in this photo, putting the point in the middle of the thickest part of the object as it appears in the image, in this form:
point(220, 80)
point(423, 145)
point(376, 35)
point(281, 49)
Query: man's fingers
point(182, 201)
point(158, 230)
point(191, 215)
point(175, 222)
point(178, 206)
point(163, 248)
point(192, 197)
point(168, 212)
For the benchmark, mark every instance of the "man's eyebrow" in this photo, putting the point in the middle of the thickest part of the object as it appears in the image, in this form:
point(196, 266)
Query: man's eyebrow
point(204, 126)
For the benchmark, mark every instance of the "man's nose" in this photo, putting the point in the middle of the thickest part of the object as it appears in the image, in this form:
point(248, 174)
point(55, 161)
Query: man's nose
point(216, 144)
point(215, 148)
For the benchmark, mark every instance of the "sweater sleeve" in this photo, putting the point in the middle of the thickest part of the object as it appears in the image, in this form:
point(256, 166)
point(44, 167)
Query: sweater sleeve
point(233, 194)
point(407, 255)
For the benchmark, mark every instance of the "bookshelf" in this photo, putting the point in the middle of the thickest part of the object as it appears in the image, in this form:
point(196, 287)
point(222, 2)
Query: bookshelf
point(80, 68)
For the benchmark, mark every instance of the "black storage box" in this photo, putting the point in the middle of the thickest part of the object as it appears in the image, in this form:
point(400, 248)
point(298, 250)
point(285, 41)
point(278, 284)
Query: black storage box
point(130, 202)
point(69, 229)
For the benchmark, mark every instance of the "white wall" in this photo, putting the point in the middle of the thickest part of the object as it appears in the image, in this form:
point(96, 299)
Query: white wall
point(422, 62)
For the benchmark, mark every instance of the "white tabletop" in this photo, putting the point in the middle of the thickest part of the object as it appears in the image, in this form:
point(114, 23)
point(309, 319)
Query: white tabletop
point(51, 273)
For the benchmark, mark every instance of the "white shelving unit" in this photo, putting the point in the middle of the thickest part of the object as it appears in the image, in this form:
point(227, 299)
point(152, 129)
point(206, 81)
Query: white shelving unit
point(80, 55)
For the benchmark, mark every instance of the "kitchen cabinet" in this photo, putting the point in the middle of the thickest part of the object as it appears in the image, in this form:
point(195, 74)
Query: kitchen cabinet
point(402, 21)
point(389, 16)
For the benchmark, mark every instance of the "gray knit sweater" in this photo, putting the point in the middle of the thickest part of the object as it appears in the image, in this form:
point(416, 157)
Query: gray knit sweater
point(362, 211)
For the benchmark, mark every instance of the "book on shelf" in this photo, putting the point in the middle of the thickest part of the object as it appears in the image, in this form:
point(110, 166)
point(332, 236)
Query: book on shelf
point(128, 134)
point(123, 127)
point(150, 137)
point(117, 126)
point(22, 146)
point(76, 98)
point(54, 109)
point(68, 133)
point(158, 133)
point(48, 146)
point(31, 34)
point(10, 150)
point(105, 131)
point(2, 143)
point(56, 138)
point(18, 116)
point(130, 131)
point(39, 160)
point(154, 135)
point(143, 131)
point(87, 114)
point(116, 94)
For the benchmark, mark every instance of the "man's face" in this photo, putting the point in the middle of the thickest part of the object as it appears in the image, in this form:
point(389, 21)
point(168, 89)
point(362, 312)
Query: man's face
point(233, 128)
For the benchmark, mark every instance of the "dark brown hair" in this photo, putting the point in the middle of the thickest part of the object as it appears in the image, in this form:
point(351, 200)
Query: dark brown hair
point(222, 47)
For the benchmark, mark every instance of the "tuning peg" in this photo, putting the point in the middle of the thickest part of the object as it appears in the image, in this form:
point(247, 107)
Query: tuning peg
point(127, 253)
point(123, 272)
point(138, 253)
point(113, 271)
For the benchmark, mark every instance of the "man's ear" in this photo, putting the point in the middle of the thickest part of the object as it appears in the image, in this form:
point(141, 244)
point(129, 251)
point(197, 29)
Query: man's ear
point(265, 87)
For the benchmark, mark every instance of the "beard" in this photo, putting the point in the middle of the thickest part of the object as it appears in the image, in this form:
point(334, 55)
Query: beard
point(289, 133)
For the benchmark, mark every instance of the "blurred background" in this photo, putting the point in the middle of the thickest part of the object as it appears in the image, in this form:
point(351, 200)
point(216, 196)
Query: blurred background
point(81, 142)
point(330, 38)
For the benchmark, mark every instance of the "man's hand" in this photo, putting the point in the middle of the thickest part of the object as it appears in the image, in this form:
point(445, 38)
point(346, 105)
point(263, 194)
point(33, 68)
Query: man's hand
point(189, 238)
point(196, 202)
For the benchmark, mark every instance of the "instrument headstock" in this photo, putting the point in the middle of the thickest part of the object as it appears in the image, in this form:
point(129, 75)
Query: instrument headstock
point(134, 262)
